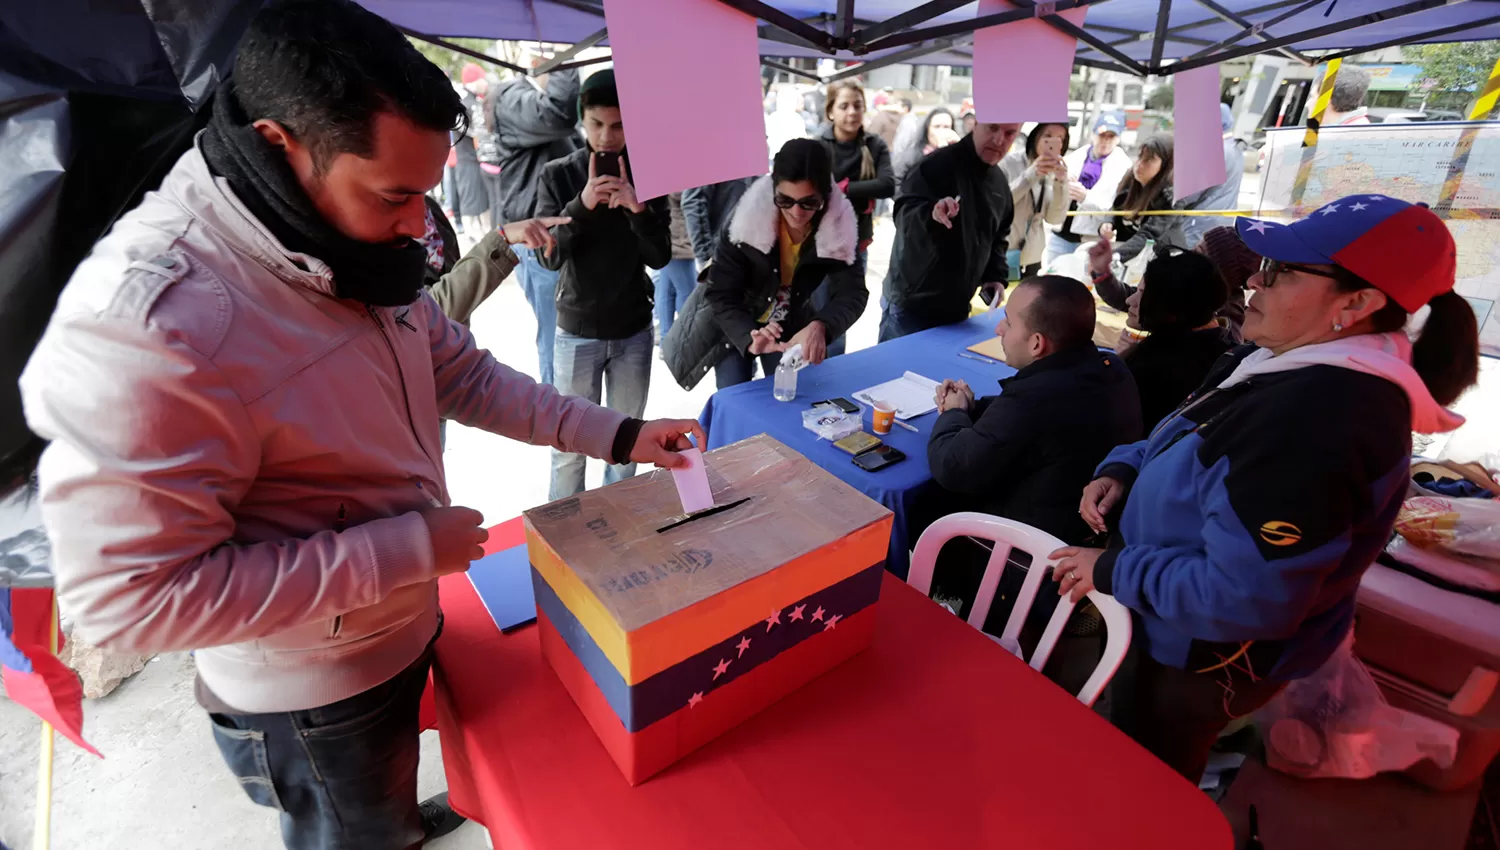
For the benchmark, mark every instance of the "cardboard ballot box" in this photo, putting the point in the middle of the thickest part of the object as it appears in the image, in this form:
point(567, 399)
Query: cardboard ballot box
point(669, 630)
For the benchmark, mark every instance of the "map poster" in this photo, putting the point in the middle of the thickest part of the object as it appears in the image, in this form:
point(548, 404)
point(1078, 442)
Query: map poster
point(1413, 162)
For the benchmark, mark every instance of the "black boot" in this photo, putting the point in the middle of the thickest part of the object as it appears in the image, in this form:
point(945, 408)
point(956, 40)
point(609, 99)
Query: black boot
point(437, 818)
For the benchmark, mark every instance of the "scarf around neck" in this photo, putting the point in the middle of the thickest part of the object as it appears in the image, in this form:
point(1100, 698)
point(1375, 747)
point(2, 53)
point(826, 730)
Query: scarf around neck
point(380, 275)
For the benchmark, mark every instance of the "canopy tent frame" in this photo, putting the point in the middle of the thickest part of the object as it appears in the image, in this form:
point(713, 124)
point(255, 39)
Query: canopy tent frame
point(1098, 47)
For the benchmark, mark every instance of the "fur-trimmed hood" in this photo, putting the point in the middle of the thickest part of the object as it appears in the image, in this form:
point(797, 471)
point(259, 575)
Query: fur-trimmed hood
point(755, 223)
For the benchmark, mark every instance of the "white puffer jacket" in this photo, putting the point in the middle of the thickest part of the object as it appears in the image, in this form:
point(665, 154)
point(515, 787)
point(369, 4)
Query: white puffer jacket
point(236, 452)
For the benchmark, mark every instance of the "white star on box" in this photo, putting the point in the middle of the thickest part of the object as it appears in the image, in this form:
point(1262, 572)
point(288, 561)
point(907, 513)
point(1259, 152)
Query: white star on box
point(774, 619)
point(1330, 209)
point(721, 668)
point(1257, 226)
point(743, 645)
point(833, 620)
point(797, 612)
point(818, 614)
point(695, 699)
point(1377, 197)
point(1358, 207)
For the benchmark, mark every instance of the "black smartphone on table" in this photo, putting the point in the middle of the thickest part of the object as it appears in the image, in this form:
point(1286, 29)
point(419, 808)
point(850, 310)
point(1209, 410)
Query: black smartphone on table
point(879, 458)
point(843, 404)
point(606, 163)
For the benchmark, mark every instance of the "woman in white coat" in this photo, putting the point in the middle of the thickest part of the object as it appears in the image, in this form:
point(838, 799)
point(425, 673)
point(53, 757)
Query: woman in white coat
point(1039, 190)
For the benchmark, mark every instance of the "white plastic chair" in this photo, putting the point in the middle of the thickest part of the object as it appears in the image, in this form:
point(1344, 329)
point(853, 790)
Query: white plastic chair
point(1008, 535)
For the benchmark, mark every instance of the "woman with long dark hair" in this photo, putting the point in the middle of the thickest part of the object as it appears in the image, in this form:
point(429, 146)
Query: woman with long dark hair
point(1147, 186)
point(792, 230)
point(937, 132)
point(1251, 512)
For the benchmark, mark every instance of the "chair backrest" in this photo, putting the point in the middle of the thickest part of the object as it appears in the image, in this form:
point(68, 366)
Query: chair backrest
point(1008, 535)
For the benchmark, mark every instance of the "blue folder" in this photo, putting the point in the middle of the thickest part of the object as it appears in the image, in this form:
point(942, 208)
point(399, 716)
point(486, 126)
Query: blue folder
point(503, 582)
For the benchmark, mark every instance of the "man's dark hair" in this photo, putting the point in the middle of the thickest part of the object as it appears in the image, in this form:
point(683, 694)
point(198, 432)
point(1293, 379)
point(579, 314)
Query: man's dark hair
point(323, 69)
point(804, 159)
point(1063, 310)
point(906, 103)
point(1183, 291)
point(1349, 88)
point(599, 95)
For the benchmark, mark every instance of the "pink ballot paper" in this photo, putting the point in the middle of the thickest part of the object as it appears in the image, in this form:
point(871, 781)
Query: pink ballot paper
point(1197, 135)
point(692, 483)
point(1021, 68)
point(671, 53)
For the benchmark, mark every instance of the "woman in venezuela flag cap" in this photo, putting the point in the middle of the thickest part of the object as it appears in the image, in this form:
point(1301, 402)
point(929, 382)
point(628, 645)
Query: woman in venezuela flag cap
point(1251, 512)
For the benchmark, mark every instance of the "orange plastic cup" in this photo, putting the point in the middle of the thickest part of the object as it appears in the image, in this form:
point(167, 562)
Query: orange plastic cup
point(882, 417)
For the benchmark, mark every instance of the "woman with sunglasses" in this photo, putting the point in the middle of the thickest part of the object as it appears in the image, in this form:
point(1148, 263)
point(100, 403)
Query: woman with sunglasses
point(790, 231)
point(1247, 518)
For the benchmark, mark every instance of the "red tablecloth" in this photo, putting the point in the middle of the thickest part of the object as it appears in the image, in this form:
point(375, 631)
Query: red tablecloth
point(934, 737)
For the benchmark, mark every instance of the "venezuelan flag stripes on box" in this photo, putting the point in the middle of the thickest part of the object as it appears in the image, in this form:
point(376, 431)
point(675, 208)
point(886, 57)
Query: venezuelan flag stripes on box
point(669, 630)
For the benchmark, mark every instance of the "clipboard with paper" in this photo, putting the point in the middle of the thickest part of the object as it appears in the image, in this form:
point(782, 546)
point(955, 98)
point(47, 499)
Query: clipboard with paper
point(911, 395)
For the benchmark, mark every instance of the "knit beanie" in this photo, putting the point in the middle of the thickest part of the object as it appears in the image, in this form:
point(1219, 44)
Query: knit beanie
point(471, 72)
point(1235, 262)
point(601, 80)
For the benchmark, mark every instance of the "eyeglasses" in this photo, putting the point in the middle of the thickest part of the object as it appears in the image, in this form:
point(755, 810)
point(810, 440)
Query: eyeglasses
point(811, 203)
point(1270, 269)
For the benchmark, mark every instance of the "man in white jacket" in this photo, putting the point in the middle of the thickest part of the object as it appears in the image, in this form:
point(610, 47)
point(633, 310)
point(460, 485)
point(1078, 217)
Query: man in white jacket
point(243, 383)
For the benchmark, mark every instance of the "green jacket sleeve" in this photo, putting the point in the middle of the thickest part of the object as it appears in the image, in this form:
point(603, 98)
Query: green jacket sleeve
point(476, 275)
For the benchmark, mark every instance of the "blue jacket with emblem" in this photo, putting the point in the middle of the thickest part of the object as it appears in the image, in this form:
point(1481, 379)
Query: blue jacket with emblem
point(1255, 508)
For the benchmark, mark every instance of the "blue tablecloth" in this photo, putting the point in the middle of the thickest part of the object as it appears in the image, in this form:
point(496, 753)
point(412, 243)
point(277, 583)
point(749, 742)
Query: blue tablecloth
point(749, 409)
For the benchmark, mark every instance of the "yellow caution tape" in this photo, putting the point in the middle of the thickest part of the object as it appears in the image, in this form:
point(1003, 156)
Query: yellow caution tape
point(1488, 96)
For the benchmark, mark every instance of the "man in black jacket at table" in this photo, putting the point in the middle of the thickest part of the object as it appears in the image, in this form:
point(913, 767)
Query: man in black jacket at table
point(953, 215)
point(1027, 453)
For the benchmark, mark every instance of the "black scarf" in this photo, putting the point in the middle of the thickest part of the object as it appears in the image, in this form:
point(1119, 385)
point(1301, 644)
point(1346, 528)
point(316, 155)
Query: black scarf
point(381, 275)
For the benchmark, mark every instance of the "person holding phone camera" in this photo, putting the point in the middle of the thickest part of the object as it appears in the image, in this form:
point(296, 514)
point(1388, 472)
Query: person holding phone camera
point(1039, 189)
point(603, 291)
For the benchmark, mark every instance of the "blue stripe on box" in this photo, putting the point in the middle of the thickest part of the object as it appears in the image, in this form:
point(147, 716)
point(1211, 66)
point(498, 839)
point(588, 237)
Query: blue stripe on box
point(759, 642)
point(503, 582)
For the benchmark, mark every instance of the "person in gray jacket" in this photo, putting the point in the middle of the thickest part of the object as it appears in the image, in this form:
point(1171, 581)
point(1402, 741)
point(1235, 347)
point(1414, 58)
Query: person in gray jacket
point(706, 210)
point(242, 384)
point(1225, 196)
point(535, 120)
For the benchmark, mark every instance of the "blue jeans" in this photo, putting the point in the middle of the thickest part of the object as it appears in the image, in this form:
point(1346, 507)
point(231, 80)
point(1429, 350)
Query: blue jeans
point(820, 298)
point(895, 324)
point(674, 283)
point(1057, 247)
point(736, 368)
point(540, 287)
point(619, 369)
point(343, 776)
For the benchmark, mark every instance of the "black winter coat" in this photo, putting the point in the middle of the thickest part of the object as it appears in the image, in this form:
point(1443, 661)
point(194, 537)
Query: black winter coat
point(1131, 234)
point(1168, 366)
point(531, 129)
point(1027, 453)
point(744, 277)
point(603, 291)
point(848, 162)
point(706, 210)
point(934, 271)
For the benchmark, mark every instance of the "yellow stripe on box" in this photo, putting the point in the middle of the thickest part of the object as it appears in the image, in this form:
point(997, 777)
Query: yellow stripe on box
point(1488, 96)
point(662, 643)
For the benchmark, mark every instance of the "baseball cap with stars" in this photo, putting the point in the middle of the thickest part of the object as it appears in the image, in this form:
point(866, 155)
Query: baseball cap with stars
point(1402, 249)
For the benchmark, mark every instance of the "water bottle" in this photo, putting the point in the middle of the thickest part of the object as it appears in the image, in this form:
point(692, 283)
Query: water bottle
point(786, 380)
point(1136, 268)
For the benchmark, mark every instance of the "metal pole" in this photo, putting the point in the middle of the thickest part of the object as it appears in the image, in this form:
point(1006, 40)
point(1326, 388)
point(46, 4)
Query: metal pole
point(1163, 18)
point(1258, 30)
point(556, 61)
point(458, 48)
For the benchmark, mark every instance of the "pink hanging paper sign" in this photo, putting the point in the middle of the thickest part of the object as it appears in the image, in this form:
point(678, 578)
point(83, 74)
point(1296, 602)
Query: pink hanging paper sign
point(1197, 135)
point(675, 58)
point(1021, 69)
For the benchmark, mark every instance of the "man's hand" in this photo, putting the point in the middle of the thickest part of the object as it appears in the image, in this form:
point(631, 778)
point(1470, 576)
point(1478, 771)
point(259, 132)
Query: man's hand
point(1099, 498)
point(993, 294)
point(600, 188)
point(457, 536)
point(764, 340)
point(660, 441)
point(1077, 191)
point(954, 395)
point(1100, 254)
point(624, 195)
point(944, 211)
point(1075, 570)
point(534, 233)
point(814, 341)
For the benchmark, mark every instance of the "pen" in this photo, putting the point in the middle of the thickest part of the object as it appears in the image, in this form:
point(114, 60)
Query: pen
point(911, 428)
point(969, 356)
point(431, 499)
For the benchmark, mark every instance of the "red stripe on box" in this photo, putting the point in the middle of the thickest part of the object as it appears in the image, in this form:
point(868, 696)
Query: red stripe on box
point(645, 753)
point(505, 535)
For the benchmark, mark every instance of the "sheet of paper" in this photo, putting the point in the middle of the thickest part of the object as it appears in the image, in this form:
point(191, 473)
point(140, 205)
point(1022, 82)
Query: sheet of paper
point(692, 483)
point(503, 582)
point(911, 395)
point(1197, 135)
point(1021, 69)
point(680, 58)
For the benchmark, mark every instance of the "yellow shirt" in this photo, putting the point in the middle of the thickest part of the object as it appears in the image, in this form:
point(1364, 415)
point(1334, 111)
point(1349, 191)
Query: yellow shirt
point(791, 252)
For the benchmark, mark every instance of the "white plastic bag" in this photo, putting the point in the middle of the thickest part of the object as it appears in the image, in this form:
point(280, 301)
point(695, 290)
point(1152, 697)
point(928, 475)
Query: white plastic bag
point(1458, 526)
point(1336, 723)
